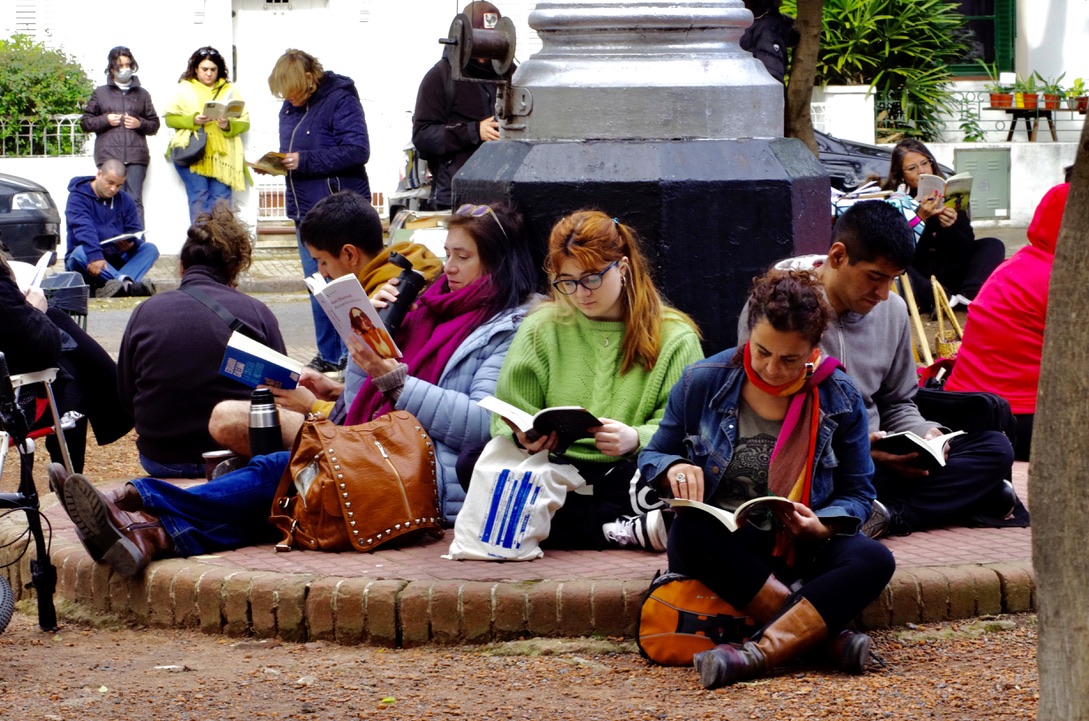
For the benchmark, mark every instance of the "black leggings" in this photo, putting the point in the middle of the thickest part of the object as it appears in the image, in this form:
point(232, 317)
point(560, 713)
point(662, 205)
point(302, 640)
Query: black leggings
point(840, 577)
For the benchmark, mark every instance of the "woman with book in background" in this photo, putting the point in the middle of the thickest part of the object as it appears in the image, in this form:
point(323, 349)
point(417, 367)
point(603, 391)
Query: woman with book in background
point(172, 348)
point(452, 342)
point(774, 418)
point(948, 248)
point(323, 136)
point(606, 341)
point(222, 168)
point(121, 115)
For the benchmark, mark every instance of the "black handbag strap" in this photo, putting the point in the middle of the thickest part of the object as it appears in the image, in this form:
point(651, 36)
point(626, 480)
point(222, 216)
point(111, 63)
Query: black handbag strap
point(232, 321)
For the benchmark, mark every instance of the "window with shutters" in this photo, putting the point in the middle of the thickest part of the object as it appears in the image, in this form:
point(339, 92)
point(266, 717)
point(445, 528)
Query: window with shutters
point(992, 27)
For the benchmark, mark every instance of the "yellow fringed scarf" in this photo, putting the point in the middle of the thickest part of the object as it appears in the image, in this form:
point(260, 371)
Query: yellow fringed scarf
point(223, 158)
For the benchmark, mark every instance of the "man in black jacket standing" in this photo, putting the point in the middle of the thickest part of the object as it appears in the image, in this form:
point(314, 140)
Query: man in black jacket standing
point(453, 117)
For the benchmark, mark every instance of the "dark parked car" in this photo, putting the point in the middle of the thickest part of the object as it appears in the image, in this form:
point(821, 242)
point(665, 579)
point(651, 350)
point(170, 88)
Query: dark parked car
point(29, 219)
point(850, 164)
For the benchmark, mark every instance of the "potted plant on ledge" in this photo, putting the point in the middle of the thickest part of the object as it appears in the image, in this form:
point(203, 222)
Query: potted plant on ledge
point(1076, 98)
point(1000, 95)
point(1051, 89)
point(1024, 93)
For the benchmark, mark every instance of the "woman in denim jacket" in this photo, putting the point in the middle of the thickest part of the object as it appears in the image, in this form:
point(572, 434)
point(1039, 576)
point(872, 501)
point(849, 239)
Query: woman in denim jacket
point(774, 418)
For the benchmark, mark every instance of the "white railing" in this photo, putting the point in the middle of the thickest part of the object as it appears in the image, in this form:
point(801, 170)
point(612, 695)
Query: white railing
point(61, 136)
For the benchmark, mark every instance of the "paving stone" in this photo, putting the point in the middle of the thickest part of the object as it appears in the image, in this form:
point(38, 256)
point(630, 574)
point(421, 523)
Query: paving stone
point(350, 610)
point(291, 607)
point(933, 594)
point(1018, 586)
point(445, 611)
point(320, 609)
point(415, 613)
point(608, 606)
point(543, 616)
point(510, 611)
point(576, 608)
point(476, 611)
point(186, 608)
point(381, 612)
point(210, 598)
point(904, 592)
point(262, 597)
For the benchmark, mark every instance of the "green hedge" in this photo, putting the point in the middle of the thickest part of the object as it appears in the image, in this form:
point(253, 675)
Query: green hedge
point(35, 84)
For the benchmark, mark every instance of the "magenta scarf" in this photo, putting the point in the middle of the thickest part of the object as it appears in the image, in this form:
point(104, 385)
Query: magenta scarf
point(429, 335)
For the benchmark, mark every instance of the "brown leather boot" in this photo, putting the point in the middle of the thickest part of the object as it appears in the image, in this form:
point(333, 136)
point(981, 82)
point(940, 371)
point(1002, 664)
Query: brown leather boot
point(797, 629)
point(125, 497)
point(126, 541)
point(846, 651)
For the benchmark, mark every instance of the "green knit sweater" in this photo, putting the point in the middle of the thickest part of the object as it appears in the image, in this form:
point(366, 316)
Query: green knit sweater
point(571, 360)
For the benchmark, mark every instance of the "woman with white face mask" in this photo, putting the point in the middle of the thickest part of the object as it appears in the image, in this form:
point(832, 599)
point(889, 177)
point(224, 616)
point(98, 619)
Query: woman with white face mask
point(121, 116)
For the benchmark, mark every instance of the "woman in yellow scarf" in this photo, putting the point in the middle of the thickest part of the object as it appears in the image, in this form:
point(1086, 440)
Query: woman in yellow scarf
point(222, 169)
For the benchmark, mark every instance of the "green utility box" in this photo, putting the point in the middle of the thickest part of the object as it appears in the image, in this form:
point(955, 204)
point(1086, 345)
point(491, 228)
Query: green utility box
point(990, 169)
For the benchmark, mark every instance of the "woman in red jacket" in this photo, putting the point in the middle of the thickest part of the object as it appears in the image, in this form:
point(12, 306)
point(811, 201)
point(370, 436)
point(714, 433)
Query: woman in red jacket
point(1004, 335)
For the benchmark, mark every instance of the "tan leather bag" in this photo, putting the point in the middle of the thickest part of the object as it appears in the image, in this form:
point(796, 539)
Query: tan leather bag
point(358, 487)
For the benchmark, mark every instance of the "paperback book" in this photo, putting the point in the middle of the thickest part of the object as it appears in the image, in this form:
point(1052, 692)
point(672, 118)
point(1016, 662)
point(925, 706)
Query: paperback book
point(255, 364)
point(351, 313)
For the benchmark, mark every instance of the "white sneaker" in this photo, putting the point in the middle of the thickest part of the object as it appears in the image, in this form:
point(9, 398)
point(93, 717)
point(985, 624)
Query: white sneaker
point(958, 299)
point(647, 532)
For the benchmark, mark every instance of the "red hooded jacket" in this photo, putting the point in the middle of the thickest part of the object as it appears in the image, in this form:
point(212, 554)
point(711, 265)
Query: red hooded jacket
point(1004, 335)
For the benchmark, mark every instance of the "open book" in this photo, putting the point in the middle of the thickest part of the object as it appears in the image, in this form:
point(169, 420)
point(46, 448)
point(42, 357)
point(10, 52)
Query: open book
point(217, 109)
point(271, 163)
point(742, 513)
point(135, 237)
point(956, 190)
point(351, 313)
point(29, 276)
point(255, 364)
point(570, 422)
point(931, 453)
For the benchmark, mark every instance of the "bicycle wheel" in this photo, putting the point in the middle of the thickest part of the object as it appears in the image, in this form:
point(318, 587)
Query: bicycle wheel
point(7, 603)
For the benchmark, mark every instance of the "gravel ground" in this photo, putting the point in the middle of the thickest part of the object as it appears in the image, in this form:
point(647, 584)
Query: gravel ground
point(983, 669)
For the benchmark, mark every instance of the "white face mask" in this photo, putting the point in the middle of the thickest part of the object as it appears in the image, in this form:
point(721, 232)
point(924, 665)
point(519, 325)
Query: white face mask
point(123, 75)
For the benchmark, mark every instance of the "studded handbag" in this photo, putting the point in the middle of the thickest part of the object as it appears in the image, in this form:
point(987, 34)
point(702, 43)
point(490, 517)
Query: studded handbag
point(358, 487)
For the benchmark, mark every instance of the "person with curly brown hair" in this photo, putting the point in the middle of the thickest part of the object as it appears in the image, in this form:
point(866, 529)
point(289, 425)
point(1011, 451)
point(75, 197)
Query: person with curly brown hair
point(774, 416)
point(171, 401)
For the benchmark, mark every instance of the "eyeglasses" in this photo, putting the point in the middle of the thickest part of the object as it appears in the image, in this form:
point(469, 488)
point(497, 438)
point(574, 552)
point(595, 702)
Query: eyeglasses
point(590, 281)
point(479, 211)
point(917, 167)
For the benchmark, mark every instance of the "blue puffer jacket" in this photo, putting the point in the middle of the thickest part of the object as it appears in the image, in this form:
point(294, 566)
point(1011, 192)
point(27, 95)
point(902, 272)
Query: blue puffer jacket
point(700, 427)
point(448, 410)
point(330, 135)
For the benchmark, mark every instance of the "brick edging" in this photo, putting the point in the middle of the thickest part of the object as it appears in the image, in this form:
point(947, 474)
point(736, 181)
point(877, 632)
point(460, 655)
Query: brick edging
point(187, 593)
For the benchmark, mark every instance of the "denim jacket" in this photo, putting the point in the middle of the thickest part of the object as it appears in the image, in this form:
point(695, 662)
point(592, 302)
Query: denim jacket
point(700, 427)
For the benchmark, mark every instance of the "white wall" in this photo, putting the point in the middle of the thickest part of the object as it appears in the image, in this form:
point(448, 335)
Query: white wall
point(386, 46)
point(1051, 37)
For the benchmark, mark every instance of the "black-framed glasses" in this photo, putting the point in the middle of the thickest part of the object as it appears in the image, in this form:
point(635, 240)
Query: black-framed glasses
point(590, 281)
point(479, 211)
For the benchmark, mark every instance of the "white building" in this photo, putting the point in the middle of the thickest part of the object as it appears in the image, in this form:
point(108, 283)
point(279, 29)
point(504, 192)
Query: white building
point(386, 46)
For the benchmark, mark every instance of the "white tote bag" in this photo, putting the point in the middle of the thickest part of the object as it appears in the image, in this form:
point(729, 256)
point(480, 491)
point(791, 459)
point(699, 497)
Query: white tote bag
point(510, 503)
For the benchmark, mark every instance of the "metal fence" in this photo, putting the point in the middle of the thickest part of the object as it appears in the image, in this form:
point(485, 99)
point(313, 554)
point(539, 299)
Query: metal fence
point(61, 136)
point(971, 118)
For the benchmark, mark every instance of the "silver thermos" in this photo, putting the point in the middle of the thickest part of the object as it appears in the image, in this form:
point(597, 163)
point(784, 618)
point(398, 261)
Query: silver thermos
point(264, 424)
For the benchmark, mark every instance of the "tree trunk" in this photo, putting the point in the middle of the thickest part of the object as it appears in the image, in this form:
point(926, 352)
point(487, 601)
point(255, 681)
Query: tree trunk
point(1060, 467)
point(803, 73)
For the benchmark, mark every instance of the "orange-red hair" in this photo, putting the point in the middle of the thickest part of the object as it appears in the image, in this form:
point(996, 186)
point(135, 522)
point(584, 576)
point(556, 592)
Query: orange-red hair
point(593, 240)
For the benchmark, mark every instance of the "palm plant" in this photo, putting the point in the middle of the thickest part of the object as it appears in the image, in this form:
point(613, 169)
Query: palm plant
point(903, 48)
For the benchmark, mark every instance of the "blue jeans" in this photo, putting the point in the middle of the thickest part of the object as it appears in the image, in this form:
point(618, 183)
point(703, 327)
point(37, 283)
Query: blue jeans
point(228, 512)
point(203, 192)
point(134, 264)
point(330, 346)
point(171, 470)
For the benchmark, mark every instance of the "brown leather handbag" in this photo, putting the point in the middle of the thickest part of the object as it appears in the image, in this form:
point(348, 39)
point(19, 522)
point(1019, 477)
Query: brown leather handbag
point(358, 487)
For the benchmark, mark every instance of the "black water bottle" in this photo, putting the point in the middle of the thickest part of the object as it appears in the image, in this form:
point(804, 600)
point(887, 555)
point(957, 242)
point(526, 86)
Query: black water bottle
point(264, 424)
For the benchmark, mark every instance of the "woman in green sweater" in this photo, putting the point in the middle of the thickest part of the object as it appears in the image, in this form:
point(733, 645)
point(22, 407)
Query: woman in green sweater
point(608, 342)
